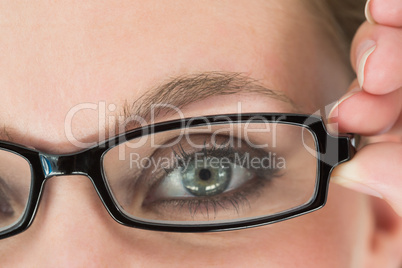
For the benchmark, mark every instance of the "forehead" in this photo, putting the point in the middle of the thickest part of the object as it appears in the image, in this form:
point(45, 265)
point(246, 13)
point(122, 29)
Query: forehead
point(57, 56)
point(64, 45)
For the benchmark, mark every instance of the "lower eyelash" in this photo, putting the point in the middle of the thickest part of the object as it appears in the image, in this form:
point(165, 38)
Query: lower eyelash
point(194, 206)
point(236, 200)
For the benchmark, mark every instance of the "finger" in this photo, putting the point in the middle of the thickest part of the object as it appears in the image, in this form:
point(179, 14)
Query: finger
point(376, 56)
point(366, 114)
point(374, 170)
point(386, 12)
point(393, 135)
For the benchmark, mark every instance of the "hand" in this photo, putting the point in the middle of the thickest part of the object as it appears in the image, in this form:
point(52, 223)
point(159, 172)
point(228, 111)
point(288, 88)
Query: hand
point(373, 106)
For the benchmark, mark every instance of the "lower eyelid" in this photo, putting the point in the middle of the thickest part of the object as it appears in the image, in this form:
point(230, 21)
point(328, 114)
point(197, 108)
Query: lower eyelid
point(238, 201)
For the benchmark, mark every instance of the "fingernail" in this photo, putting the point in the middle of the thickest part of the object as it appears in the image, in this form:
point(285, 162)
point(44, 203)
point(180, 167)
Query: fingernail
point(364, 51)
point(367, 12)
point(356, 186)
point(349, 94)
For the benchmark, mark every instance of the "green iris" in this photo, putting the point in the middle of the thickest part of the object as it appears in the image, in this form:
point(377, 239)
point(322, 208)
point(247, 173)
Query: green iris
point(205, 178)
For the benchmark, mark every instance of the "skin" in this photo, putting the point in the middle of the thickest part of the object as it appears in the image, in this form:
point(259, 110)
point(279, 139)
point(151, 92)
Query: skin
point(59, 55)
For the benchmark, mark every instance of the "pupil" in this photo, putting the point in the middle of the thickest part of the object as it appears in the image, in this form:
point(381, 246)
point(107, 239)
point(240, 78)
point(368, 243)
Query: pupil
point(204, 174)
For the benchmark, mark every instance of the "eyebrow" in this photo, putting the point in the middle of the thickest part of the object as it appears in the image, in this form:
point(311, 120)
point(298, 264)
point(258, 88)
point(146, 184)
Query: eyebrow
point(183, 90)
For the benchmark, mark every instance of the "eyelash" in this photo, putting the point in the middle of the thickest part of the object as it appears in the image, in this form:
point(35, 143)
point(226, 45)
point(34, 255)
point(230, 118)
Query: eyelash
point(237, 198)
point(183, 157)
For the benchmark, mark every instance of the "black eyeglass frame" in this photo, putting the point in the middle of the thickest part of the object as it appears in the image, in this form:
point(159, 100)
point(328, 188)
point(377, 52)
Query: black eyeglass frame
point(331, 151)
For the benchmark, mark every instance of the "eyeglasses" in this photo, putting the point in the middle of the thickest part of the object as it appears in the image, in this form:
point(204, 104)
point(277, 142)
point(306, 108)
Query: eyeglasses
point(202, 174)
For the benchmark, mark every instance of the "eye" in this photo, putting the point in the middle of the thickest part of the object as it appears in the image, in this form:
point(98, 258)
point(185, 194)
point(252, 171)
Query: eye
point(213, 182)
point(210, 176)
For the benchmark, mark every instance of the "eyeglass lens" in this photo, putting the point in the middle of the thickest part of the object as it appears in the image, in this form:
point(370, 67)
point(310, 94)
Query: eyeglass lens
point(213, 174)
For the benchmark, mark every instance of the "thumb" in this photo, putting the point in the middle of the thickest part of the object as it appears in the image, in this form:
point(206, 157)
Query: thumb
point(374, 170)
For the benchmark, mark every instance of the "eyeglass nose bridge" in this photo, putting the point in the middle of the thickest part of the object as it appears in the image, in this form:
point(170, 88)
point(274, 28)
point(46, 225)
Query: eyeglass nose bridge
point(62, 165)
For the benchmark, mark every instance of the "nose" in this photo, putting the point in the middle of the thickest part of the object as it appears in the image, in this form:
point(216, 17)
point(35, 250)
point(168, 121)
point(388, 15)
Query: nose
point(73, 229)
